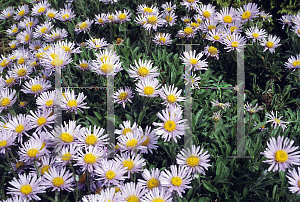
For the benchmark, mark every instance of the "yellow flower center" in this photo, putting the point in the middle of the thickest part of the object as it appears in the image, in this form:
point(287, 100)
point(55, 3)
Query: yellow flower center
point(152, 19)
point(158, 199)
point(212, 50)
point(269, 44)
point(193, 61)
point(83, 25)
point(41, 121)
point(84, 65)
point(148, 90)
point(152, 183)
point(128, 163)
point(194, 25)
point(4, 102)
point(186, 20)
point(255, 35)
point(110, 175)
point(37, 48)
point(148, 10)
point(66, 157)
point(58, 181)
point(206, 13)
point(4, 63)
point(132, 143)
point(162, 40)
point(143, 71)
point(36, 88)
point(192, 161)
point(277, 120)
point(234, 44)
point(7, 15)
point(123, 96)
point(57, 61)
point(211, 27)
point(246, 15)
point(91, 139)
point(169, 9)
point(39, 55)
point(132, 198)
point(20, 164)
point(227, 19)
point(169, 18)
point(107, 67)
point(126, 130)
point(296, 63)
point(49, 103)
point(176, 181)
point(13, 46)
point(146, 142)
point(47, 47)
point(41, 10)
point(21, 13)
point(45, 169)
point(101, 20)
point(26, 189)
point(3, 143)
point(170, 126)
point(190, 1)
point(122, 16)
point(32, 152)
point(66, 48)
point(72, 103)
point(67, 137)
point(232, 29)
point(281, 156)
point(65, 16)
point(14, 30)
point(171, 98)
point(9, 81)
point(51, 15)
point(90, 158)
point(188, 30)
point(27, 37)
point(21, 72)
point(21, 61)
point(110, 18)
point(19, 128)
point(29, 24)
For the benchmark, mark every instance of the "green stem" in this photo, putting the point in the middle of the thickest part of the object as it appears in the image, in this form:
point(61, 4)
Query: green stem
point(73, 116)
point(76, 189)
point(263, 148)
point(12, 155)
point(8, 160)
point(249, 125)
point(124, 31)
point(88, 182)
point(148, 42)
point(37, 170)
point(56, 196)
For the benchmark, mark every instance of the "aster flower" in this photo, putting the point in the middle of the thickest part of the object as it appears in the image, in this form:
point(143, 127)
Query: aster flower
point(72, 103)
point(132, 141)
point(29, 22)
point(276, 121)
point(265, 16)
point(271, 43)
point(142, 70)
point(188, 31)
point(194, 80)
point(67, 135)
point(133, 163)
point(190, 4)
point(46, 99)
point(111, 172)
point(123, 96)
point(234, 42)
point(27, 187)
point(7, 13)
point(20, 166)
point(207, 11)
point(83, 26)
point(58, 179)
point(168, 7)
point(66, 14)
point(192, 61)
point(141, 20)
point(68, 47)
point(43, 29)
point(97, 44)
point(32, 149)
point(52, 14)
point(45, 164)
point(293, 62)
point(4, 62)
point(255, 33)
point(55, 35)
point(15, 199)
point(198, 18)
point(40, 8)
point(36, 86)
point(44, 137)
point(20, 72)
point(235, 27)
point(84, 65)
point(21, 12)
point(176, 180)
point(172, 126)
point(111, 195)
point(248, 12)
point(66, 155)
point(13, 44)
point(279, 154)
point(132, 191)
point(90, 160)
point(5, 120)
point(171, 96)
point(162, 39)
point(210, 25)
point(22, 55)
point(41, 118)
point(112, 18)
point(123, 16)
point(7, 98)
point(262, 128)
point(7, 81)
point(252, 110)
point(97, 138)
point(101, 19)
point(14, 29)
point(107, 63)
point(220, 105)
point(158, 195)
point(294, 179)
point(145, 10)
point(211, 51)
point(126, 128)
point(170, 18)
point(216, 116)
point(36, 45)
point(153, 21)
point(193, 160)
point(227, 16)
point(7, 139)
point(151, 179)
point(148, 87)
point(19, 125)
point(285, 20)
point(25, 36)
point(151, 142)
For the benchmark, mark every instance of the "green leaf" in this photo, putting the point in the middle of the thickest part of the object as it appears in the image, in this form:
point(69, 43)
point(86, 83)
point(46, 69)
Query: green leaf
point(141, 115)
point(98, 115)
point(129, 118)
point(93, 120)
point(258, 126)
point(209, 186)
